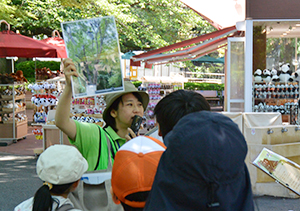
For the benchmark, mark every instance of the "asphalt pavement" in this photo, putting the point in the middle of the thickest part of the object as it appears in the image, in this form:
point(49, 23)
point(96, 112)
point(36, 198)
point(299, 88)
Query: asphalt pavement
point(18, 182)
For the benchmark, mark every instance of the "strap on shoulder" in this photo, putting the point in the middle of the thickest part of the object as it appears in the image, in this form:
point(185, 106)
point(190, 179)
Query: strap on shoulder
point(97, 164)
point(65, 207)
point(110, 150)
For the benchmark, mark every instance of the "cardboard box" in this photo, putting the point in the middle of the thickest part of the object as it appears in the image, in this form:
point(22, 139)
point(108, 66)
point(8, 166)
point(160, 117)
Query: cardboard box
point(52, 135)
point(20, 130)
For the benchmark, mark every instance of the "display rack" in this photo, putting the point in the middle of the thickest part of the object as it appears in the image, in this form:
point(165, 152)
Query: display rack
point(156, 91)
point(88, 109)
point(45, 96)
point(13, 123)
point(277, 97)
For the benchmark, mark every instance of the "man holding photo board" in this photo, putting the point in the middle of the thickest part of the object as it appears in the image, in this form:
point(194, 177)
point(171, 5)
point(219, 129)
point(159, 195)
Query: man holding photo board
point(99, 145)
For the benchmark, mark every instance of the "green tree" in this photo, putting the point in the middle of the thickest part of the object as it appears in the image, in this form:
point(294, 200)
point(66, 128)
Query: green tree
point(142, 25)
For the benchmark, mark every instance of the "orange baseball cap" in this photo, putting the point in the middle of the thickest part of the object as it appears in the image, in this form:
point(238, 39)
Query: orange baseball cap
point(135, 167)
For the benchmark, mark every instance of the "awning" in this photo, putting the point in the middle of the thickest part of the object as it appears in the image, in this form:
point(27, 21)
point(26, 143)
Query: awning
point(206, 59)
point(209, 43)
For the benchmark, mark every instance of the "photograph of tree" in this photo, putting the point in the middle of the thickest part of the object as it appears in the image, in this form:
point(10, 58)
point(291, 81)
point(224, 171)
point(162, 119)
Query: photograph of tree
point(93, 46)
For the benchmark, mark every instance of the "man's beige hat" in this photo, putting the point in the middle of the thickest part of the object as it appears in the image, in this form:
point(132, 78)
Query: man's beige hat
point(61, 164)
point(129, 88)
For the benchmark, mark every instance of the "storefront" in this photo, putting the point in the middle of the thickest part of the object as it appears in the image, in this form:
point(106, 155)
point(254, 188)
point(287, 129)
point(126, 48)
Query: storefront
point(265, 23)
point(266, 40)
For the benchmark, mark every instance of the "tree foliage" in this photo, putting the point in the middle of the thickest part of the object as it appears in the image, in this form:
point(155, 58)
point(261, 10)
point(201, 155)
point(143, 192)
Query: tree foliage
point(141, 24)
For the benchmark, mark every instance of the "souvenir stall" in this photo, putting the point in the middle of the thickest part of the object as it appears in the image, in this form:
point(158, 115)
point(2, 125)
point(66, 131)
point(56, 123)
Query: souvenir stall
point(262, 101)
point(13, 119)
point(262, 84)
point(45, 96)
point(269, 103)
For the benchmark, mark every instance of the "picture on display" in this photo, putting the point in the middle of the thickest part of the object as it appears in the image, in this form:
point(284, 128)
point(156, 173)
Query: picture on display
point(283, 170)
point(93, 46)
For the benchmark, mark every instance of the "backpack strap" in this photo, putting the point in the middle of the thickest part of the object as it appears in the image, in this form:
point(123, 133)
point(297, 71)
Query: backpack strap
point(109, 165)
point(65, 207)
point(111, 147)
point(97, 164)
point(110, 150)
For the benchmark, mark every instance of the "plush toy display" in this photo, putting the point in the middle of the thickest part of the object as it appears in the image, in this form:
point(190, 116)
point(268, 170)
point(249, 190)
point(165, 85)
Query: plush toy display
point(274, 75)
point(296, 75)
point(266, 77)
point(285, 74)
point(282, 85)
point(44, 100)
point(20, 77)
point(17, 92)
point(12, 77)
point(45, 73)
point(258, 76)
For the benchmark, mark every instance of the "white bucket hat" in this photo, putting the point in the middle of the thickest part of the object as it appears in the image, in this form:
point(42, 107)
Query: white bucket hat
point(61, 164)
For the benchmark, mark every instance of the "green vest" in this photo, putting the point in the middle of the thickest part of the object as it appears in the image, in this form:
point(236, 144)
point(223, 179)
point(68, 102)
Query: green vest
point(87, 142)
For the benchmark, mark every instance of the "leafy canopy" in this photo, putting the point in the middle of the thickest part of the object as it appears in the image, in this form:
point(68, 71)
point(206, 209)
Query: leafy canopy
point(141, 24)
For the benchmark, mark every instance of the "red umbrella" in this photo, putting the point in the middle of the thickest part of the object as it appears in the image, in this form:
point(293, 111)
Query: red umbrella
point(57, 42)
point(12, 44)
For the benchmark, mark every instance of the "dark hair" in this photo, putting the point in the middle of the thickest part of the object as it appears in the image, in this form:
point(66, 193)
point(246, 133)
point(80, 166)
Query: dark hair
point(110, 121)
point(139, 196)
point(174, 106)
point(43, 200)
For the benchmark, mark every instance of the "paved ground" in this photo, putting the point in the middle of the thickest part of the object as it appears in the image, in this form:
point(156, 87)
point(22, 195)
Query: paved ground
point(18, 180)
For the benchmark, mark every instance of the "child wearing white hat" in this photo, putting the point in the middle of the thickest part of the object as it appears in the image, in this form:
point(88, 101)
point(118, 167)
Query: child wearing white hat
point(60, 167)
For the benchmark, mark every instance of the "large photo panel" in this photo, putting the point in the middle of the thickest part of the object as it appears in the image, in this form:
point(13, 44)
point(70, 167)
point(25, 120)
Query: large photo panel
point(93, 45)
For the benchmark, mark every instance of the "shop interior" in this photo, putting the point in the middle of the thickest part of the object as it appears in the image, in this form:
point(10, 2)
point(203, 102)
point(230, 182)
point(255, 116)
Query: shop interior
point(275, 68)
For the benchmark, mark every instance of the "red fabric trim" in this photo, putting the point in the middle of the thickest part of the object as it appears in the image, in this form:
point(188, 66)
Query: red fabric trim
point(147, 65)
point(190, 52)
point(132, 63)
point(186, 42)
point(187, 59)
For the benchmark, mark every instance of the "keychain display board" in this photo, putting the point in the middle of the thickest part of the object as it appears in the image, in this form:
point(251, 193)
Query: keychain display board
point(156, 91)
point(88, 109)
point(44, 98)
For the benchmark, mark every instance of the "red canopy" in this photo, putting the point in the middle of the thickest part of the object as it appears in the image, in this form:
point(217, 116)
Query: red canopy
point(57, 42)
point(12, 44)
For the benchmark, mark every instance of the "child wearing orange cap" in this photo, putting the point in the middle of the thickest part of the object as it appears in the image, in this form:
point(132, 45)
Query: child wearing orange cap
point(134, 171)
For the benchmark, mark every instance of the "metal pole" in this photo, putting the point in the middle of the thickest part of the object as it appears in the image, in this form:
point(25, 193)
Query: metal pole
point(12, 65)
point(35, 70)
point(296, 48)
